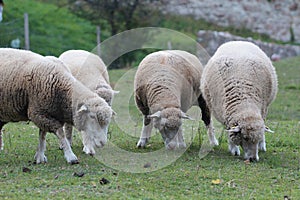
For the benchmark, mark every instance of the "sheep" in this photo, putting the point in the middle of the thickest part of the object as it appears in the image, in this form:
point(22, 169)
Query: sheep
point(90, 70)
point(166, 85)
point(238, 83)
point(37, 89)
point(53, 59)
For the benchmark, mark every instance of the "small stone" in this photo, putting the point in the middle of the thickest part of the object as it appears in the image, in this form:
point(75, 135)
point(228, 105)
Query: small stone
point(26, 170)
point(147, 165)
point(103, 181)
point(79, 174)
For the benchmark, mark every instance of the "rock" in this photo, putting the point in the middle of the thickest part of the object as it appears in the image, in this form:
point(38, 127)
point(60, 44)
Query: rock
point(273, 18)
point(211, 40)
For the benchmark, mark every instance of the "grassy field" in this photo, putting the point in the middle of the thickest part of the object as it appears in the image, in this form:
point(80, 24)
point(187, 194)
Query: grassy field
point(218, 175)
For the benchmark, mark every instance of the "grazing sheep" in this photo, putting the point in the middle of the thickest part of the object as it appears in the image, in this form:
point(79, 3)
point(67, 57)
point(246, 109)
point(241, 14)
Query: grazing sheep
point(238, 83)
point(166, 85)
point(37, 89)
point(90, 70)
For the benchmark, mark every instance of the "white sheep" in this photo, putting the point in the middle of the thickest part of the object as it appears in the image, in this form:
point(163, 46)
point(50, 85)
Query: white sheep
point(37, 89)
point(90, 70)
point(238, 83)
point(166, 85)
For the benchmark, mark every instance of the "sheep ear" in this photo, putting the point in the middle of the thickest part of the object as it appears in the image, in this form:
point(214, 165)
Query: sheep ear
point(116, 92)
point(114, 113)
point(268, 129)
point(83, 108)
point(155, 115)
point(185, 116)
point(234, 129)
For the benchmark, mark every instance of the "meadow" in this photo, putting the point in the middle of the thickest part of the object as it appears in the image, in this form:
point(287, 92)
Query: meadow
point(113, 174)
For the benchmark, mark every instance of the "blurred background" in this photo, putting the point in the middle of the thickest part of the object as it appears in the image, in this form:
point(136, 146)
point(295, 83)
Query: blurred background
point(52, 27)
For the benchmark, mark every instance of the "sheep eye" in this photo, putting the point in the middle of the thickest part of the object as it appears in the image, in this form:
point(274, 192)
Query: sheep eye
point(93, 116)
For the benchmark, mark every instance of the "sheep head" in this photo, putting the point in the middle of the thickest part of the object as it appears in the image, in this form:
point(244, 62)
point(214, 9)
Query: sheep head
point(168, 121)
point(248, 134)
point(92, 119)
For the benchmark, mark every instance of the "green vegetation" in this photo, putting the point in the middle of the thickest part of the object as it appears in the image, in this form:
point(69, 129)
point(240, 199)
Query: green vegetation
point(52, 29)
point(217, 176)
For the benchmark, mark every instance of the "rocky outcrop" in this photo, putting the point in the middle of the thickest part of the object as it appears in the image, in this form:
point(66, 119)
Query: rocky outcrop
point(211, 40)
point(279, 19)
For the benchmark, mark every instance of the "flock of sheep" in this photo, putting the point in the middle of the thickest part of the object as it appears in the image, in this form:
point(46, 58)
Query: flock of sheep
point(236, 86)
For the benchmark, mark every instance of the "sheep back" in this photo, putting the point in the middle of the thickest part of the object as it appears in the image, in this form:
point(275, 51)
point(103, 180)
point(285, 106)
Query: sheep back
point(238, 76)
point(86, 66)
point(168, 78)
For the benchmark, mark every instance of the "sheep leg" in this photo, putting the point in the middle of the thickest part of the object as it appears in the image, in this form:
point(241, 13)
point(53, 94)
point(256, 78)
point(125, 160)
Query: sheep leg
point(234, 149)
point(180, 139)
point(206, 118)
point(54, 126)
point(1, 133)
point(146, 132)
point(68, 133)
point(68, 153)
point(40, 153)
point(262, 144)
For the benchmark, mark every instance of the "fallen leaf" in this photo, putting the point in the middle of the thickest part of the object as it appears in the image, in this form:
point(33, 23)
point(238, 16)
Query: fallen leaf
point(247, 162)
point(94, 184)
point(216, 182)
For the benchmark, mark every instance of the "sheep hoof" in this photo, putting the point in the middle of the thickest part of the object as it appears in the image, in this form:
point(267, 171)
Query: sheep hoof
point(182, 145)
point(74, 162)
point(214, 142)
point(234, 150)
point(89, 151)
point(262, 146)
point(71, 158)
point(142, 143)
point(40, 158)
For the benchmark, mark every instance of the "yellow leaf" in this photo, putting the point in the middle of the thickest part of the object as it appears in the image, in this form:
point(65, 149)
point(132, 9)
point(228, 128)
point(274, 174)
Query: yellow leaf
point(94, 184)
point(216, 182)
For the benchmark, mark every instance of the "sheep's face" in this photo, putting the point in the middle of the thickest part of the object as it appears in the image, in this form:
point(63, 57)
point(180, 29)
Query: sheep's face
point(248, 137)
point(168, 122)
point(92, 122)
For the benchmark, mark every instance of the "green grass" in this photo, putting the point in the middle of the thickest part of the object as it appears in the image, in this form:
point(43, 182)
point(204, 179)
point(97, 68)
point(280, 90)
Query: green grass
point(53, 30)
point(276, 175)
